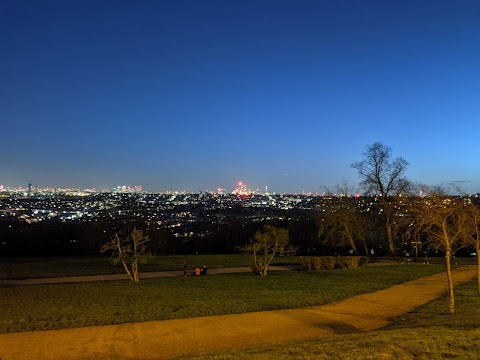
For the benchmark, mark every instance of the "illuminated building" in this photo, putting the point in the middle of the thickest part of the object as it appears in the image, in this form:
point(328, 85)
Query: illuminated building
point(241, 190)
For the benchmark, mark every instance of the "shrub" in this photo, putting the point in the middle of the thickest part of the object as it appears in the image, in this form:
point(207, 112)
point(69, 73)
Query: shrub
point(317, 263)
point(306, 263)
point(329, 263)
point(349, 262)
point(363, 261)
point(332, 262)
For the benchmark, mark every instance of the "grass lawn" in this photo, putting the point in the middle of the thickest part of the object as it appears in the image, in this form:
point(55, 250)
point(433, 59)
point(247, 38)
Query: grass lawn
point(59, 306)
point(25, 268)
point(76, 266)
point(425, 333)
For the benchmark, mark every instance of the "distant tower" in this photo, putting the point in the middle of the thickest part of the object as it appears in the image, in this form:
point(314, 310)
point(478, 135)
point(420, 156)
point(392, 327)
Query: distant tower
point(29, 188)
point(266, 190)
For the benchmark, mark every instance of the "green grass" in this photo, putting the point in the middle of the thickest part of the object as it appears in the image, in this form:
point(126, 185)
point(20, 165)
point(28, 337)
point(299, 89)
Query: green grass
point(25, 268)
point(426, 344)
point(425, 333)
point(465, 260)
point(435, 314)
point(76, 266)
point(100, 303)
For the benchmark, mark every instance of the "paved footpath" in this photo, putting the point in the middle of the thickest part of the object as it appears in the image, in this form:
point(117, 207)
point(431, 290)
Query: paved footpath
point(154, 274)
point(145, 275)
point(171, 338)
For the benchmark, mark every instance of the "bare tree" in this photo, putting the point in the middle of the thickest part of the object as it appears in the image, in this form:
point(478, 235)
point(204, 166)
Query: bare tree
point(344, 188)
point(443, 220)
point(264, 245)
point(472, 236)
point(343, 226)
point(383, 176)
point(129, 251)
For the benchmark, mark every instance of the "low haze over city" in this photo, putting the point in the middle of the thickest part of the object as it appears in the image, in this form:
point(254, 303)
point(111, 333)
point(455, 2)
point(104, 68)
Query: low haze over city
point(200, 95)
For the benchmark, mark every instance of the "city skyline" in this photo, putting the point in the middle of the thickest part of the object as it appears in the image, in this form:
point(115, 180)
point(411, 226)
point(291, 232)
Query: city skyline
point(241, 189)
point(197, 95)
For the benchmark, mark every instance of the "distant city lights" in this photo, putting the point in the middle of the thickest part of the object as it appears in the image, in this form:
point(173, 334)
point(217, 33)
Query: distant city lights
point(241, 190)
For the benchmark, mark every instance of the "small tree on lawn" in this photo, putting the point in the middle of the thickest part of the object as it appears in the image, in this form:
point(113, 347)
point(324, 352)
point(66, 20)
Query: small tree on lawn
point(264, 245)
point(443, 220)
point(129, 251)
point(472, 236)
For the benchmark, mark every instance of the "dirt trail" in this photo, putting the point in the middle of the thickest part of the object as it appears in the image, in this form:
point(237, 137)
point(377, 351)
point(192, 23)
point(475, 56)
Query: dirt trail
point(171, 338)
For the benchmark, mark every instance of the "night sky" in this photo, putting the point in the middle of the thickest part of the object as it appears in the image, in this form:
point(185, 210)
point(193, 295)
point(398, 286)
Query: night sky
point(196, 95)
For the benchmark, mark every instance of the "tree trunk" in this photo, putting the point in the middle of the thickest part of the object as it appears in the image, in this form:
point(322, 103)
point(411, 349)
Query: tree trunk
point(135, 261)
point(391, 248)
point(125, 266)
point(122, 259)
point(477, 247)
point(451, 297)
point(266, 261)
point(366, 247)
point(388, 226)
point(135, 270)
point(478, 267)
point(352, 244)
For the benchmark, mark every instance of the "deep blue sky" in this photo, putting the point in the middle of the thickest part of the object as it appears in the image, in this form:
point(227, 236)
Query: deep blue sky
point(195, 95)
